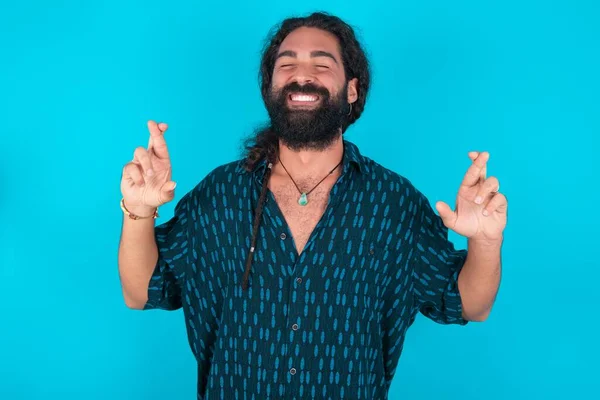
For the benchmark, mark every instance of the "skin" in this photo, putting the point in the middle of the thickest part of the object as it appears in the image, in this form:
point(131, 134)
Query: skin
point(480, 215)
point(145, 184)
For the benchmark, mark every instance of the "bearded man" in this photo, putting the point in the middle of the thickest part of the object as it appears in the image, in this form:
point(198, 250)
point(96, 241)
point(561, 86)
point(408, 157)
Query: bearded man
point(300, 266)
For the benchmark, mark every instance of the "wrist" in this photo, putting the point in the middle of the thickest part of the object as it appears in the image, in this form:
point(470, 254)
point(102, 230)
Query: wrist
point(486, 242)
point(141, 211)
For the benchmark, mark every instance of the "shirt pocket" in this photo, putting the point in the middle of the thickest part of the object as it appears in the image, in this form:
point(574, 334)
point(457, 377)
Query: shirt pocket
point(351, 282)
point(360, 269)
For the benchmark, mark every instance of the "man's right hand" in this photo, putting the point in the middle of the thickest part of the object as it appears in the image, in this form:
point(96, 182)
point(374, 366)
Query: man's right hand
point(146, 182)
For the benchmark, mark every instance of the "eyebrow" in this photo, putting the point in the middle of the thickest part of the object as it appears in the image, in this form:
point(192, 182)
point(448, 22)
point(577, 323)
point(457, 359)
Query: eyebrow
point(313, 54)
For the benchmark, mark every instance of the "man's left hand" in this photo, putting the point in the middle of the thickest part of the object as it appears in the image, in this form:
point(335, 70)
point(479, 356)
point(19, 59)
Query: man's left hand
point(480, 209)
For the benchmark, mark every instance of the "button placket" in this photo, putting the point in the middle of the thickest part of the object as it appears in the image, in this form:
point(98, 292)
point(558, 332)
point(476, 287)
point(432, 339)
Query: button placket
point(295, 314)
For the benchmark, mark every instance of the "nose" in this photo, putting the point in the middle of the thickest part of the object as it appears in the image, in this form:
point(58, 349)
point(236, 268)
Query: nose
point(303, 75)
point(304, 79)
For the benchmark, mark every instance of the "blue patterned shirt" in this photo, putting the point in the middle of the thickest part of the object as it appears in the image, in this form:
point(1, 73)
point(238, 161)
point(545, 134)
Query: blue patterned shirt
point(326, 324)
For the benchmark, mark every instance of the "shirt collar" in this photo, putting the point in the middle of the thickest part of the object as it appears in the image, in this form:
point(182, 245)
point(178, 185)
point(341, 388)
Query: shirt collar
point(352, 156)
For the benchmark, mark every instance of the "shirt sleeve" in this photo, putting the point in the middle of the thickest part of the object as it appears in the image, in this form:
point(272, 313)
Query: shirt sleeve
point(172, 240)
point(437, 265)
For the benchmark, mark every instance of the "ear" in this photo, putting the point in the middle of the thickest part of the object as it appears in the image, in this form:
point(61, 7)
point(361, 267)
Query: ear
point(352, 90)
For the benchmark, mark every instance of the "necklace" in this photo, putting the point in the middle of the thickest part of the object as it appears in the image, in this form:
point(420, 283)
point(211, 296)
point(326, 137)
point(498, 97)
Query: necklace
point(303, 200)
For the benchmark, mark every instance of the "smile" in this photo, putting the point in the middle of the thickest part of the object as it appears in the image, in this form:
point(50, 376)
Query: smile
point(302, 99)
point(305, 98)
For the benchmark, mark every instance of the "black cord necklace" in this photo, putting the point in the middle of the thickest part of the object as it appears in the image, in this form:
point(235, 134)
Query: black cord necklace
point(303, 200)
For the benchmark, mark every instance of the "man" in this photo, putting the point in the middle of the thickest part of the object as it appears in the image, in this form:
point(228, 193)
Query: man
point(301, 266)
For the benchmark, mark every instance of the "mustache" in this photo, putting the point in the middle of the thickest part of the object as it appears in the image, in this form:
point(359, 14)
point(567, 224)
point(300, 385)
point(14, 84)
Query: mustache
point(309, 88)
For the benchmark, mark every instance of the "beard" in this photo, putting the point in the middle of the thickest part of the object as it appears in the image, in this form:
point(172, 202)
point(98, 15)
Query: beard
point(307, 129)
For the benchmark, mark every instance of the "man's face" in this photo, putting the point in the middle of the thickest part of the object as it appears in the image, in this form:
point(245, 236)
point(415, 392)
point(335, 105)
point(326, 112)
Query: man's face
point(309, 94)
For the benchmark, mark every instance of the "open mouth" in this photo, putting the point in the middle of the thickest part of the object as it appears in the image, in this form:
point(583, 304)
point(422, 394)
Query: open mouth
point(303, 99)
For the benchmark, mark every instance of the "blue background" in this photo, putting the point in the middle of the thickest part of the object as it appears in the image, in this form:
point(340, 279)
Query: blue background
point(79, 80)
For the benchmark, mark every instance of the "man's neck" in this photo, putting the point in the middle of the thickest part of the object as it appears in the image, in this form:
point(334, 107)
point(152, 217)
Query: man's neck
point(309, 163)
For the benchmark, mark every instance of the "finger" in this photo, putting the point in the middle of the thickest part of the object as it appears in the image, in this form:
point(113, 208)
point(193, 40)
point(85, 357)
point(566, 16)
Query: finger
point(167, 192)
point(477, 170)
point(162, 127)
point(473, 156)
point(497, 204)
point(141, 155)
point(157, 143)
point(489, 186)
point(132, 171)
point(448, 216)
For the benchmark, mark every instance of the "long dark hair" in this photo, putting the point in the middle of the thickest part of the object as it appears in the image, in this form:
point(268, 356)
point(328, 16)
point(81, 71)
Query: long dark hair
point(264, 143)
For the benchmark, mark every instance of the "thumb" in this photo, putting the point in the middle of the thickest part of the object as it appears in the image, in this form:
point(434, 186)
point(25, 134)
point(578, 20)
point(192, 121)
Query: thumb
point(448, 216)
point(167, 192)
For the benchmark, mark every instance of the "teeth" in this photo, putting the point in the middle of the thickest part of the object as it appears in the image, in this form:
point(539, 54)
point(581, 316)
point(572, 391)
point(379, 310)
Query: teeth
point(302, 97)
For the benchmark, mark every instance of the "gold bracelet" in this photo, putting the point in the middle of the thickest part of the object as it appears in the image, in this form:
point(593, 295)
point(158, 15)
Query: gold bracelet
point(133, 216)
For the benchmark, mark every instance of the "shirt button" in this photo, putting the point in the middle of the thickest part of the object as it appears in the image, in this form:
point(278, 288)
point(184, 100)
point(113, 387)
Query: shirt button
point(293, 371)
point(283, 236)
point(372, 251)
point(295, 327)
point(298, 280)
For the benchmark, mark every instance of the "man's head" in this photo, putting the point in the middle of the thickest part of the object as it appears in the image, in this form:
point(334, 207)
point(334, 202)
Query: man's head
point(314, 80)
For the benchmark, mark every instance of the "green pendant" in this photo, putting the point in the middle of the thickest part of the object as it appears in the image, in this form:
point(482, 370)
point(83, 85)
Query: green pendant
point(303, 200)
